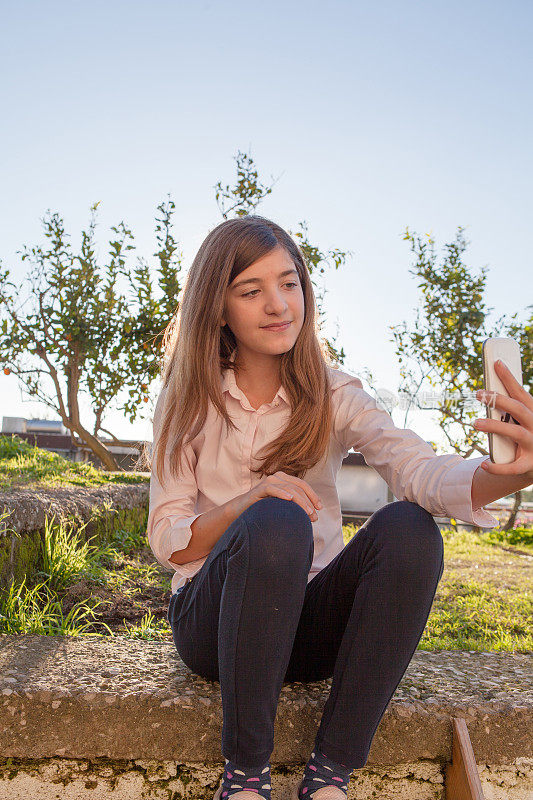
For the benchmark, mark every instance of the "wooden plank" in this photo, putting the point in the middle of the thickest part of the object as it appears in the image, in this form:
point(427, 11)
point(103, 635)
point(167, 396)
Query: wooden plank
point(462, 778)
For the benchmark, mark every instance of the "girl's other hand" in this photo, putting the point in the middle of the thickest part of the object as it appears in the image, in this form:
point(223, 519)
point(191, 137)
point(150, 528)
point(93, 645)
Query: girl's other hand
point(288, 487)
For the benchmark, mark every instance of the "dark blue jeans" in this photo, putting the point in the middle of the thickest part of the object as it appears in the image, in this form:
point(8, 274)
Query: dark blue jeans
point(250, 620)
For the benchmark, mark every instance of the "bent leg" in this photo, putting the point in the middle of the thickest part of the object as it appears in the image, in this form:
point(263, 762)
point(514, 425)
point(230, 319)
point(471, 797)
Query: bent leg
point(238, 618)
point(362, 619)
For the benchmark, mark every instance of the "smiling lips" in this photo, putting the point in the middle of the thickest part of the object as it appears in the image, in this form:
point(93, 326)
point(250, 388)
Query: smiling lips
point(280, 327)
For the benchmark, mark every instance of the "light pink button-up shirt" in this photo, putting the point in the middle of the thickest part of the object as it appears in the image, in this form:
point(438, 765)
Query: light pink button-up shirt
point(217, 469)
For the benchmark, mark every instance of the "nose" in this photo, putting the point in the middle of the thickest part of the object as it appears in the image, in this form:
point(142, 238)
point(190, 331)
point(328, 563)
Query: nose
point(275, 304)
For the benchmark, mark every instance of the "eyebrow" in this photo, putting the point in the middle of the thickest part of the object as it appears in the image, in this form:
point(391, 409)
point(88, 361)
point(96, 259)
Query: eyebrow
point(258, 280)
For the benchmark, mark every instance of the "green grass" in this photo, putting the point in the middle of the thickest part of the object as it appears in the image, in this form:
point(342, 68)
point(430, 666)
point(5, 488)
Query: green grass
point(22, 464)
point(471, 615)
point(106, 567)
point(39, 610)
point(492, 612)
point(520, 536)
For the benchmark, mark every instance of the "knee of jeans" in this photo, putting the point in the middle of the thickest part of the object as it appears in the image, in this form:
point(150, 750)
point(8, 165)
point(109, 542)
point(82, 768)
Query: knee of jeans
point(413, 542)
point(415, 522)
point(284, 521)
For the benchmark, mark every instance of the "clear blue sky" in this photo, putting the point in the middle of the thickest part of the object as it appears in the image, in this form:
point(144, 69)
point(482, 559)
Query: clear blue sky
point(374, 117)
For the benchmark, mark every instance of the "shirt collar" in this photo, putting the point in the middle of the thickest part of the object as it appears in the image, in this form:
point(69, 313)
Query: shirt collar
point(229, 384)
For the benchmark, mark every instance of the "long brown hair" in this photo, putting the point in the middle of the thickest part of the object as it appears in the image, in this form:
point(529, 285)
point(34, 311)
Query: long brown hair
point(196, 349)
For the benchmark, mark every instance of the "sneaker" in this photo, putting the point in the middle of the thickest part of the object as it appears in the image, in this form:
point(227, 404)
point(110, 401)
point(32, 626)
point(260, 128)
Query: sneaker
point(244, 795)
point(325, 793)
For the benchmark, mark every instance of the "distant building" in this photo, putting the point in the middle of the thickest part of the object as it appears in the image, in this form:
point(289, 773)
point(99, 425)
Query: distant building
point(361, 489)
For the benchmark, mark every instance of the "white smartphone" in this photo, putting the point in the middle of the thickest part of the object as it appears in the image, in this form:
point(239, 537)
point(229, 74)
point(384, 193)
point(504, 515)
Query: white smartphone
point(502, 449)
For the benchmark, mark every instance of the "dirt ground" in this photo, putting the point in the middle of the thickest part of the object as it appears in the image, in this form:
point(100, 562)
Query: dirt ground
point(128, 602)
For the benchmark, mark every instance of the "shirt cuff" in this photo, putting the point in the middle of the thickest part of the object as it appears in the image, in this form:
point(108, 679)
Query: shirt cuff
point(456, 494)
point(178, 537)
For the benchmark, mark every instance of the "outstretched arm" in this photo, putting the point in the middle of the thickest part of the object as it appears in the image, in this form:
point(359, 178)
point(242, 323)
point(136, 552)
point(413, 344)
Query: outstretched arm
point(492, 481)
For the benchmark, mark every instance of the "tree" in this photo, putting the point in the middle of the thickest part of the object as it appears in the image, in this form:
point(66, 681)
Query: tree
point(445, 345)
point(84, 331)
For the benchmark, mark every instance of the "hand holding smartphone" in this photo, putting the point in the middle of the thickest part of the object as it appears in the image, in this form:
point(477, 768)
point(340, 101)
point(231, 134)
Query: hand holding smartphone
point(502, 448)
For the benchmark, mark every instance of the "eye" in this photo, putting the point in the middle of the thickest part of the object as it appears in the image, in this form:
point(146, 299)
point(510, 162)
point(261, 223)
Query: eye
point(249, 294)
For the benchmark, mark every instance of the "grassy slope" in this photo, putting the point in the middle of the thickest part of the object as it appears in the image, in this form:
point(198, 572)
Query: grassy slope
point(24, 466)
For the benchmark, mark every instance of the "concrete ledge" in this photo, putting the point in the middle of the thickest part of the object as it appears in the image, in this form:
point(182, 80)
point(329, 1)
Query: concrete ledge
point(123, 718)
point(28, 507)
point(123, 698)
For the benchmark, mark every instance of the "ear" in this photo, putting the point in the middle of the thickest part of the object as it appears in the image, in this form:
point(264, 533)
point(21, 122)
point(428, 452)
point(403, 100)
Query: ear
point(222, 323)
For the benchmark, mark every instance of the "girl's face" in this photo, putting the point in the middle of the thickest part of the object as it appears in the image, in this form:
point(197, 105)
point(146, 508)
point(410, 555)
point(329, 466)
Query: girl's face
point(266, 292)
